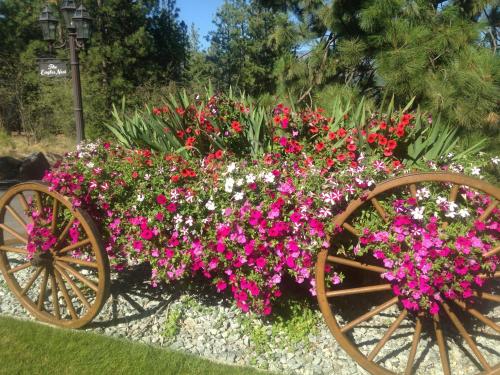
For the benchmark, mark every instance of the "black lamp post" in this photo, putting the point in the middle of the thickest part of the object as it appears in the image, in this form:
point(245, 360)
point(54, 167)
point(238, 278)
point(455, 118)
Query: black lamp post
point(77, 22)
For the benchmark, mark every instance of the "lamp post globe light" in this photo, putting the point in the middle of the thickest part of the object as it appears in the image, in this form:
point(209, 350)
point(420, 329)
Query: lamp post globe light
point(77, 24)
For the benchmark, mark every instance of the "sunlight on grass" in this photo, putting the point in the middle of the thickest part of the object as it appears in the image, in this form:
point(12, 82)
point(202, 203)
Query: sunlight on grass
point(32, 348)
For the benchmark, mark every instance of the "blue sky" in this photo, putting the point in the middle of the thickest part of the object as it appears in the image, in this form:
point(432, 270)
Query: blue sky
point(201, 13)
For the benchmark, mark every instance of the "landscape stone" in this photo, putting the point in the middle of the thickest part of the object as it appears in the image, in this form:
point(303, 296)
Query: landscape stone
point(33, 167)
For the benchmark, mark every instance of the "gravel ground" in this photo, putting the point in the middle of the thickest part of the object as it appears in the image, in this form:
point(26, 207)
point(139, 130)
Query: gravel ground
point(194, 321)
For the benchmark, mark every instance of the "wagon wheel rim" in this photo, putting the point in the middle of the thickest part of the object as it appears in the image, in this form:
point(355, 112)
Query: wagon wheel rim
point(449, 308)
point(65, 284)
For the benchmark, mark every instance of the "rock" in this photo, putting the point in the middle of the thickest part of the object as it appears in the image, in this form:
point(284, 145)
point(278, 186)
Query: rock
point(33, 167)
point(9, 168)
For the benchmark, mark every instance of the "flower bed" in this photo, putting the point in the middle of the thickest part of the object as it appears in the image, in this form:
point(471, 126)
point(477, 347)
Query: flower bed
point(244, 223)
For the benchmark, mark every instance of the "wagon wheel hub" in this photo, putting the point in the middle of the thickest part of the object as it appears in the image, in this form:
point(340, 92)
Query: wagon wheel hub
point(42, 259)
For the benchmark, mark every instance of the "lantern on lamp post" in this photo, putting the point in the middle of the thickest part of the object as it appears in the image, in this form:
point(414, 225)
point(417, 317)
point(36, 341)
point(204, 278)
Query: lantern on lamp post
point(77, 24)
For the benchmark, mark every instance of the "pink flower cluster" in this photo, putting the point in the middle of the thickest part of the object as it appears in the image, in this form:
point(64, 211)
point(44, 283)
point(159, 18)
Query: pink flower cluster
point(427, 263)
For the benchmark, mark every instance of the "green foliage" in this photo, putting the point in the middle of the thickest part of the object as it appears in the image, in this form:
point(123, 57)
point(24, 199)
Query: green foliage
point(294, 322)
point(438, 142)
point(164, 128)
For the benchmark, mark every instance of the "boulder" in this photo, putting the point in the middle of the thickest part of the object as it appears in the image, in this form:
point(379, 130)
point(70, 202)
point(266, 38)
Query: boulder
point(33, 167)
point(9, 168)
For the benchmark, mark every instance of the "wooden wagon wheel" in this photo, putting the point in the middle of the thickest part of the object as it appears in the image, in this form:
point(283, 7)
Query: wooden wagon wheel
point(51, 256)
point(455, 317)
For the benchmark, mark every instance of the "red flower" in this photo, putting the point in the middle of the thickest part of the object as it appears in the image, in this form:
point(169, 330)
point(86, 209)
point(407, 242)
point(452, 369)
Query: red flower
point(175, 178)
point(331, 136)
point(382, 140)
point(314, 129)
point(172, 207)
point(319, 146)
point(383, 125)
point(156, 111)
point(387, 152)
point(218, 154)
point(190, 142)
point(180, 111)
point(391, 145)
point(341, 132)
point(396, 164)
point(135, 174)
point(236, 126)
point(340, 157)
point(372, 137)
point(330, 162)
point(161, 199)
point(351, 147)
point(400, 132)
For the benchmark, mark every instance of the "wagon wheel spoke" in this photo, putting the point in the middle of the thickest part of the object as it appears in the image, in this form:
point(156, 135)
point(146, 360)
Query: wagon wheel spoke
point(445, 363)
point(65, 232)
point(55, 302)
point(34, 276)
point(78, 275)
point(22, 201)
point(39, 201)
point(16, 216)
point(488, 210)
point(387, 335)
point(11, 249)
point(380, 210)
point(355, 264)
point(475, 313)
point(413, 191)
point(19, 268)
point(14, 233)
point(67, 298)
point(80, 262)
point(43, 289)
point(348, 227)
point(55, 211)
point(488, 296)
point(369, 314)
point(74, 246)
point(460, 328)
point(453, 193)
point(492, 252)
point(414, 346)
point(360, 290)
point(73, 286)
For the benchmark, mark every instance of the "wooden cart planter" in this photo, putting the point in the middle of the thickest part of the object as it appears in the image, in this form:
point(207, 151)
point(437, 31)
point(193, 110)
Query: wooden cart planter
point(66, 290)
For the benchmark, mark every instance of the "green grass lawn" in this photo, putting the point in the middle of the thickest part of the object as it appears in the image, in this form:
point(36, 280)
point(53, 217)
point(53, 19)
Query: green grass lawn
point(31, 348)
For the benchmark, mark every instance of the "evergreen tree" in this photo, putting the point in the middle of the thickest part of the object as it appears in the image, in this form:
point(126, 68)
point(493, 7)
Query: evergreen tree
point(241, 50)
point(441, 52)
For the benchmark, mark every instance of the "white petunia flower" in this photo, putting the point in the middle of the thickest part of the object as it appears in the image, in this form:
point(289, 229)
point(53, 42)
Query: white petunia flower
point(464, 212)
point(269, 178)
point(140, 197)
point(423, 193)
point(475, 171)
point(147, 176)
point(239, 182)
point(231, 167)
point(250, 178)
point(178, 218)
point(210, 205)
point(238, 196)
point(495, 160)
point(228, 186)
point(90, 165)
point(441, 200)
point(418, 213)
point(452, 206)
